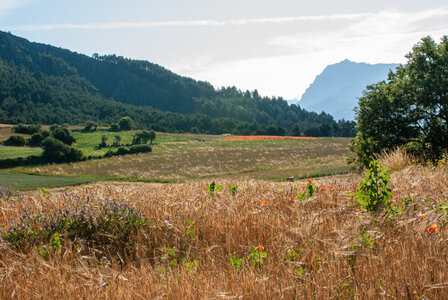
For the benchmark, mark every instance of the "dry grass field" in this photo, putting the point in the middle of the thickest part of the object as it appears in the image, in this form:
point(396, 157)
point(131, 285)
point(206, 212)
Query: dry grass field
point(211, 157)
point(258, 242)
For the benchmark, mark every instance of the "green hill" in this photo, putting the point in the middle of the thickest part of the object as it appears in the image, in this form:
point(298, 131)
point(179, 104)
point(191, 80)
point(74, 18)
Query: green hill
point(45, 84)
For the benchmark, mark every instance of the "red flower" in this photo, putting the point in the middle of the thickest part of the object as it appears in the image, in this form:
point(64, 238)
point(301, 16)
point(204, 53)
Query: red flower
point(260, 247)
point(262, 239)
point(330, 187)
point(433, 228)
point(87, 277)
point(309, 181)
point(265, 202)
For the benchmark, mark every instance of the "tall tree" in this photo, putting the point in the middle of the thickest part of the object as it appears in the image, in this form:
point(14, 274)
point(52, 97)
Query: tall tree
point(410, 108)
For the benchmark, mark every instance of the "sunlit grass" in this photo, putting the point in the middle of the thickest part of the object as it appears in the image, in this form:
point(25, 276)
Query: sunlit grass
point(206, 158)
point(15, 152)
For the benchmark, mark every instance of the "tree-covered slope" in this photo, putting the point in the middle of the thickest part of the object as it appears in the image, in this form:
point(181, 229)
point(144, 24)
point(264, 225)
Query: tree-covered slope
point(45, 84)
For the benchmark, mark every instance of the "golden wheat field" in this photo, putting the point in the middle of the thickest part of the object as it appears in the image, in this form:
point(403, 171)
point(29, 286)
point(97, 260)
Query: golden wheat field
point(255, 241)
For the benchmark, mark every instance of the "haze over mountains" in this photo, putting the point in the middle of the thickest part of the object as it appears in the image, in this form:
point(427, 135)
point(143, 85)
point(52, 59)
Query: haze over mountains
point(337, 89)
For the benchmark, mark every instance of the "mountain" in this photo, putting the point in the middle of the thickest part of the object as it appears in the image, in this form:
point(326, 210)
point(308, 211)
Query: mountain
point(44, 84)
point(337, 89)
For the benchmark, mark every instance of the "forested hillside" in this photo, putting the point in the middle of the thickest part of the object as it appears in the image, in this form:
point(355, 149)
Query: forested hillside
point(45, 84)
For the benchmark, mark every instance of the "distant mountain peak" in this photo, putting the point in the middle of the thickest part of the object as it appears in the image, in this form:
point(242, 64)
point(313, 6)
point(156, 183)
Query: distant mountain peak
point(337, 89)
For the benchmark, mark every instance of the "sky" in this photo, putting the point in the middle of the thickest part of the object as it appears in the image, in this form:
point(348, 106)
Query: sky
point(277, 47)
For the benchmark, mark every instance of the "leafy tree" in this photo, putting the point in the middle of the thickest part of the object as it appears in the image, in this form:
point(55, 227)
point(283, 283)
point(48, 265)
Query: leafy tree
point(408, 109)
point(57, 151)
point(114, 127)
point(26, 129)
point(117, 140)
point(63, 134)
point(142, 137)
point(296, 130)
point(15, 140)
point(126, 123)
point(90, 126)
point(36, 139)
point(152, 136)
point(103, 142)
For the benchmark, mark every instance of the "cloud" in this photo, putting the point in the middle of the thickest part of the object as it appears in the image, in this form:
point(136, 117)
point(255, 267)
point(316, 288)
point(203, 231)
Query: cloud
point(384, 37)
point(7, 6)
point(193, 23)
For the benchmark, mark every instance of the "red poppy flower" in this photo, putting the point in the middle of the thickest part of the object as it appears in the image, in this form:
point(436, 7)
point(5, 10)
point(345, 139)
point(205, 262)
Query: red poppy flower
point(260, 247)
point(87, 277)
point(265, 203)
point(309, 181)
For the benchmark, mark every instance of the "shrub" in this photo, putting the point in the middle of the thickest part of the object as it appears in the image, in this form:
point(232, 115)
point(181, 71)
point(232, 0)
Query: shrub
point(90, 126)
point(26, 129)
point(15, 140)
point(140, 149)
point(36, 139)
point(57, 151)
point(126, 123)
point(373, 191)
point(114, 127)
point(63, 134)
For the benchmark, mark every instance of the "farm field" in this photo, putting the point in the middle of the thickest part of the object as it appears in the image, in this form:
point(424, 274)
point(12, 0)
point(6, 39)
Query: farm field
point(15, 152)
point(179, 158)
point(252, 239)
point(22, 182)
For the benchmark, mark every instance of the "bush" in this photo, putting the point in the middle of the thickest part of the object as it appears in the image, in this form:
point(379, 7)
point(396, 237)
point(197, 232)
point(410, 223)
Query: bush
point(140, 149)
point(36, 139)
point(57, 151)
point(131, 150)
point(63, 134)
point(90, 126)
point(26, 129)
point(15, 140)
point(126, 123)
point(373, 191)
point(114, 127)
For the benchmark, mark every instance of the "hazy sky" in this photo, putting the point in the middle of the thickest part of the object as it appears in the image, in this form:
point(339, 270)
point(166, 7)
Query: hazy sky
point(277, 47)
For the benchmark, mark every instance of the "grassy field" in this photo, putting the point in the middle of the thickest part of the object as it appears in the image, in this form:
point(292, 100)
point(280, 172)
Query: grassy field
point(259, 242)
point(181, 158)
point(88, 141)
point(15, 152)
point(29, 182)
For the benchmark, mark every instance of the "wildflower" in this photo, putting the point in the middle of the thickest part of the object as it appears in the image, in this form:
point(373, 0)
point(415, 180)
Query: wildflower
point(260, 247)
point(322, 188)
point(423, 216)
point(86, 277)
point(303, 218)
point(309, 181)
point(330, 187)
point(303, 187)
point(433, 228)
point(265, 202)
point(262, 239)
point(358, 211)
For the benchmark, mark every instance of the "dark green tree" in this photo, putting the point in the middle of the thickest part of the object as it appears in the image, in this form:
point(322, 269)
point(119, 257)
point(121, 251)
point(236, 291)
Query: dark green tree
point(63, 134)
point(126, 123)
point(409, 109)
point(57, 151)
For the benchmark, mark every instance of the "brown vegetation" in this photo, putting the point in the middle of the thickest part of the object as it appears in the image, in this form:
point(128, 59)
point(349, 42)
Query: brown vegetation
point(322, 247)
